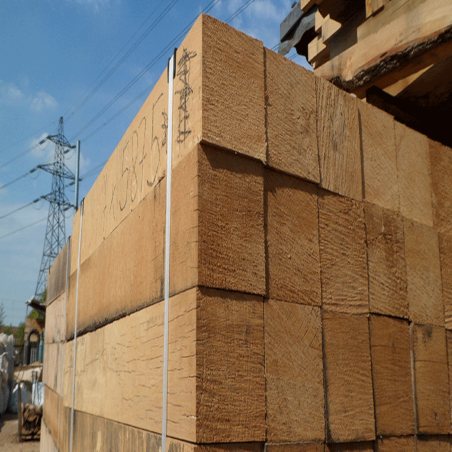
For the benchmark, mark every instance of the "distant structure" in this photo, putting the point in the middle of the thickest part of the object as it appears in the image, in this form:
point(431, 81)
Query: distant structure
point(56, 229)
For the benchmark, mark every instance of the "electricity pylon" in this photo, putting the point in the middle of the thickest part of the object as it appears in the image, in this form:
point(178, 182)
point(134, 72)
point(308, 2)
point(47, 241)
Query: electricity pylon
point(56, 227)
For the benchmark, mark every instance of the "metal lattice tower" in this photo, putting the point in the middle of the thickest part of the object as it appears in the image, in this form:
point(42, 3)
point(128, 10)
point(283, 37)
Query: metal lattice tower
point(56, 228)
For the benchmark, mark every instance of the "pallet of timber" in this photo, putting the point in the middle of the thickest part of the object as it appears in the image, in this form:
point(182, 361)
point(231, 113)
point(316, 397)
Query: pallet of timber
point(309, 278)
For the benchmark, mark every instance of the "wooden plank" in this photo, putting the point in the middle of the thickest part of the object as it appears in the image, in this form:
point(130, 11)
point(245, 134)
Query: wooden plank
point(216, 365)
point(56, 320)
point(445, 248)
point(423, 274)
point(441, 167)
point(329, 28)
point(433, 444)
point(230, 375)
point(46, 442)
point(53, 366)
point(318, 51)
point(51, 412)
point(351, 447)
point(394, 444)
point(348, 387)
point(231, 236)
point(293, 263)
point(391, 371)
point(379, 157)
point(300, 447)
point(343, 259)
point(56, 278)
point(431, 379)
point(291, 118)
point(233, 109)
point(386, 262)
point(125, 272)
point(339, 142)
point(306, 5)
point(449, 361)
point(294, 372)
point(414, 174)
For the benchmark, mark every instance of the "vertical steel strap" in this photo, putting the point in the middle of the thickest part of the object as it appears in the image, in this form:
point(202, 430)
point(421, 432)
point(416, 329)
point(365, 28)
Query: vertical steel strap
point(75, 328)
point(171, 64)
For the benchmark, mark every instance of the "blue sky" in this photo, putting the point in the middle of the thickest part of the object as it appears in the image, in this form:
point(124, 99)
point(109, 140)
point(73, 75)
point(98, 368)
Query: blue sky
point(53, 53)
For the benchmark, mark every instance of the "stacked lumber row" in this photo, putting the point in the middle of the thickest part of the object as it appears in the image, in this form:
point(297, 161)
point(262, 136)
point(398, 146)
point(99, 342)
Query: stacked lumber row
point(310, 278)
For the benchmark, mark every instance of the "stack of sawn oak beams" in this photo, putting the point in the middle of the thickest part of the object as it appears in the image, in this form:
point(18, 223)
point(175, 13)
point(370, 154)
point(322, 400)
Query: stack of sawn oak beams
point(310, 271)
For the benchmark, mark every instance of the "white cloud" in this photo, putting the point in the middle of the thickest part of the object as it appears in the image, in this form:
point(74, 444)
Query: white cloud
point(43, 151)
point(9, 92)
point(43, 101)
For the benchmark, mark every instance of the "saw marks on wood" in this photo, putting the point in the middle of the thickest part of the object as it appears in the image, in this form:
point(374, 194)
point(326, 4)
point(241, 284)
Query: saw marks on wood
point(294, 372)
point(291, 118)
point(343, 260)
point(379, 157)
point(394, 444)
point(431, 379)
point(386, 261)
point(391, 370)
point(348, 379)
point(292, 239)
point(423, 274)
point(339, 141)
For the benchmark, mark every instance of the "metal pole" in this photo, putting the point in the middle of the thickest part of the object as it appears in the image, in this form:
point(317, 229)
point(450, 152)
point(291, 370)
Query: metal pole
point(77, 172)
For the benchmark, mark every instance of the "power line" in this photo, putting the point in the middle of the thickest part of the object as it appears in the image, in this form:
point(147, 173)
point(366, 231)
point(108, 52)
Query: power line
point(127, 54)
point(21, 229)
point(28, 136)
point(239, 11)
point(22, 207)
point(18, 178)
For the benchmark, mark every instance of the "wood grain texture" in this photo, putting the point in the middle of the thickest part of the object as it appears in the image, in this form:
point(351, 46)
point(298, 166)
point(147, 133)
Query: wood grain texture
point(291, 118)
point(351, 447)
point(391, 371)
point(431, 379)
point(449, 361)
point(433, 444)
point(441, 167)
point(423, 274)
point(445, 253)
point(414, 174)
point(294, 372)
point(292, 225)
point(343, 259)
point(379, 157)
point(231, 222)
point(233, 102)
point(230, 378)
point(339, 141)
point(300, 447)
point(348, 379)
point(56, 320)
point(125, 272)
point(386, 261)
point(394, 444)
point(56, 277)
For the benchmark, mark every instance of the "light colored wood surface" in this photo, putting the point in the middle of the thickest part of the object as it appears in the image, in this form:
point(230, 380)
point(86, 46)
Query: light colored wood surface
point(231, 237)
point(292, 227)
point(55, 319)
point(348, 380)
point(391, 371)
point(343, 260)
point(230, 376)
point(379, 157)
point(339, 142)
point(46, 442)
point(386, 261)
point(441, 167)
point(56, 277)
point(431, 379)
point(423, 274)
point(445, 248)
point(294, 372)
point(414, 174)
point(351, 447)
point(233, 97)
point(216, 365)
point(394, 444)
point(51, 412)
point(291, 118)
point(53, 366)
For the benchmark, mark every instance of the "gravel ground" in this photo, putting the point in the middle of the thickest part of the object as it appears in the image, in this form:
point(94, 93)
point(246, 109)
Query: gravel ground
point(9, 436)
